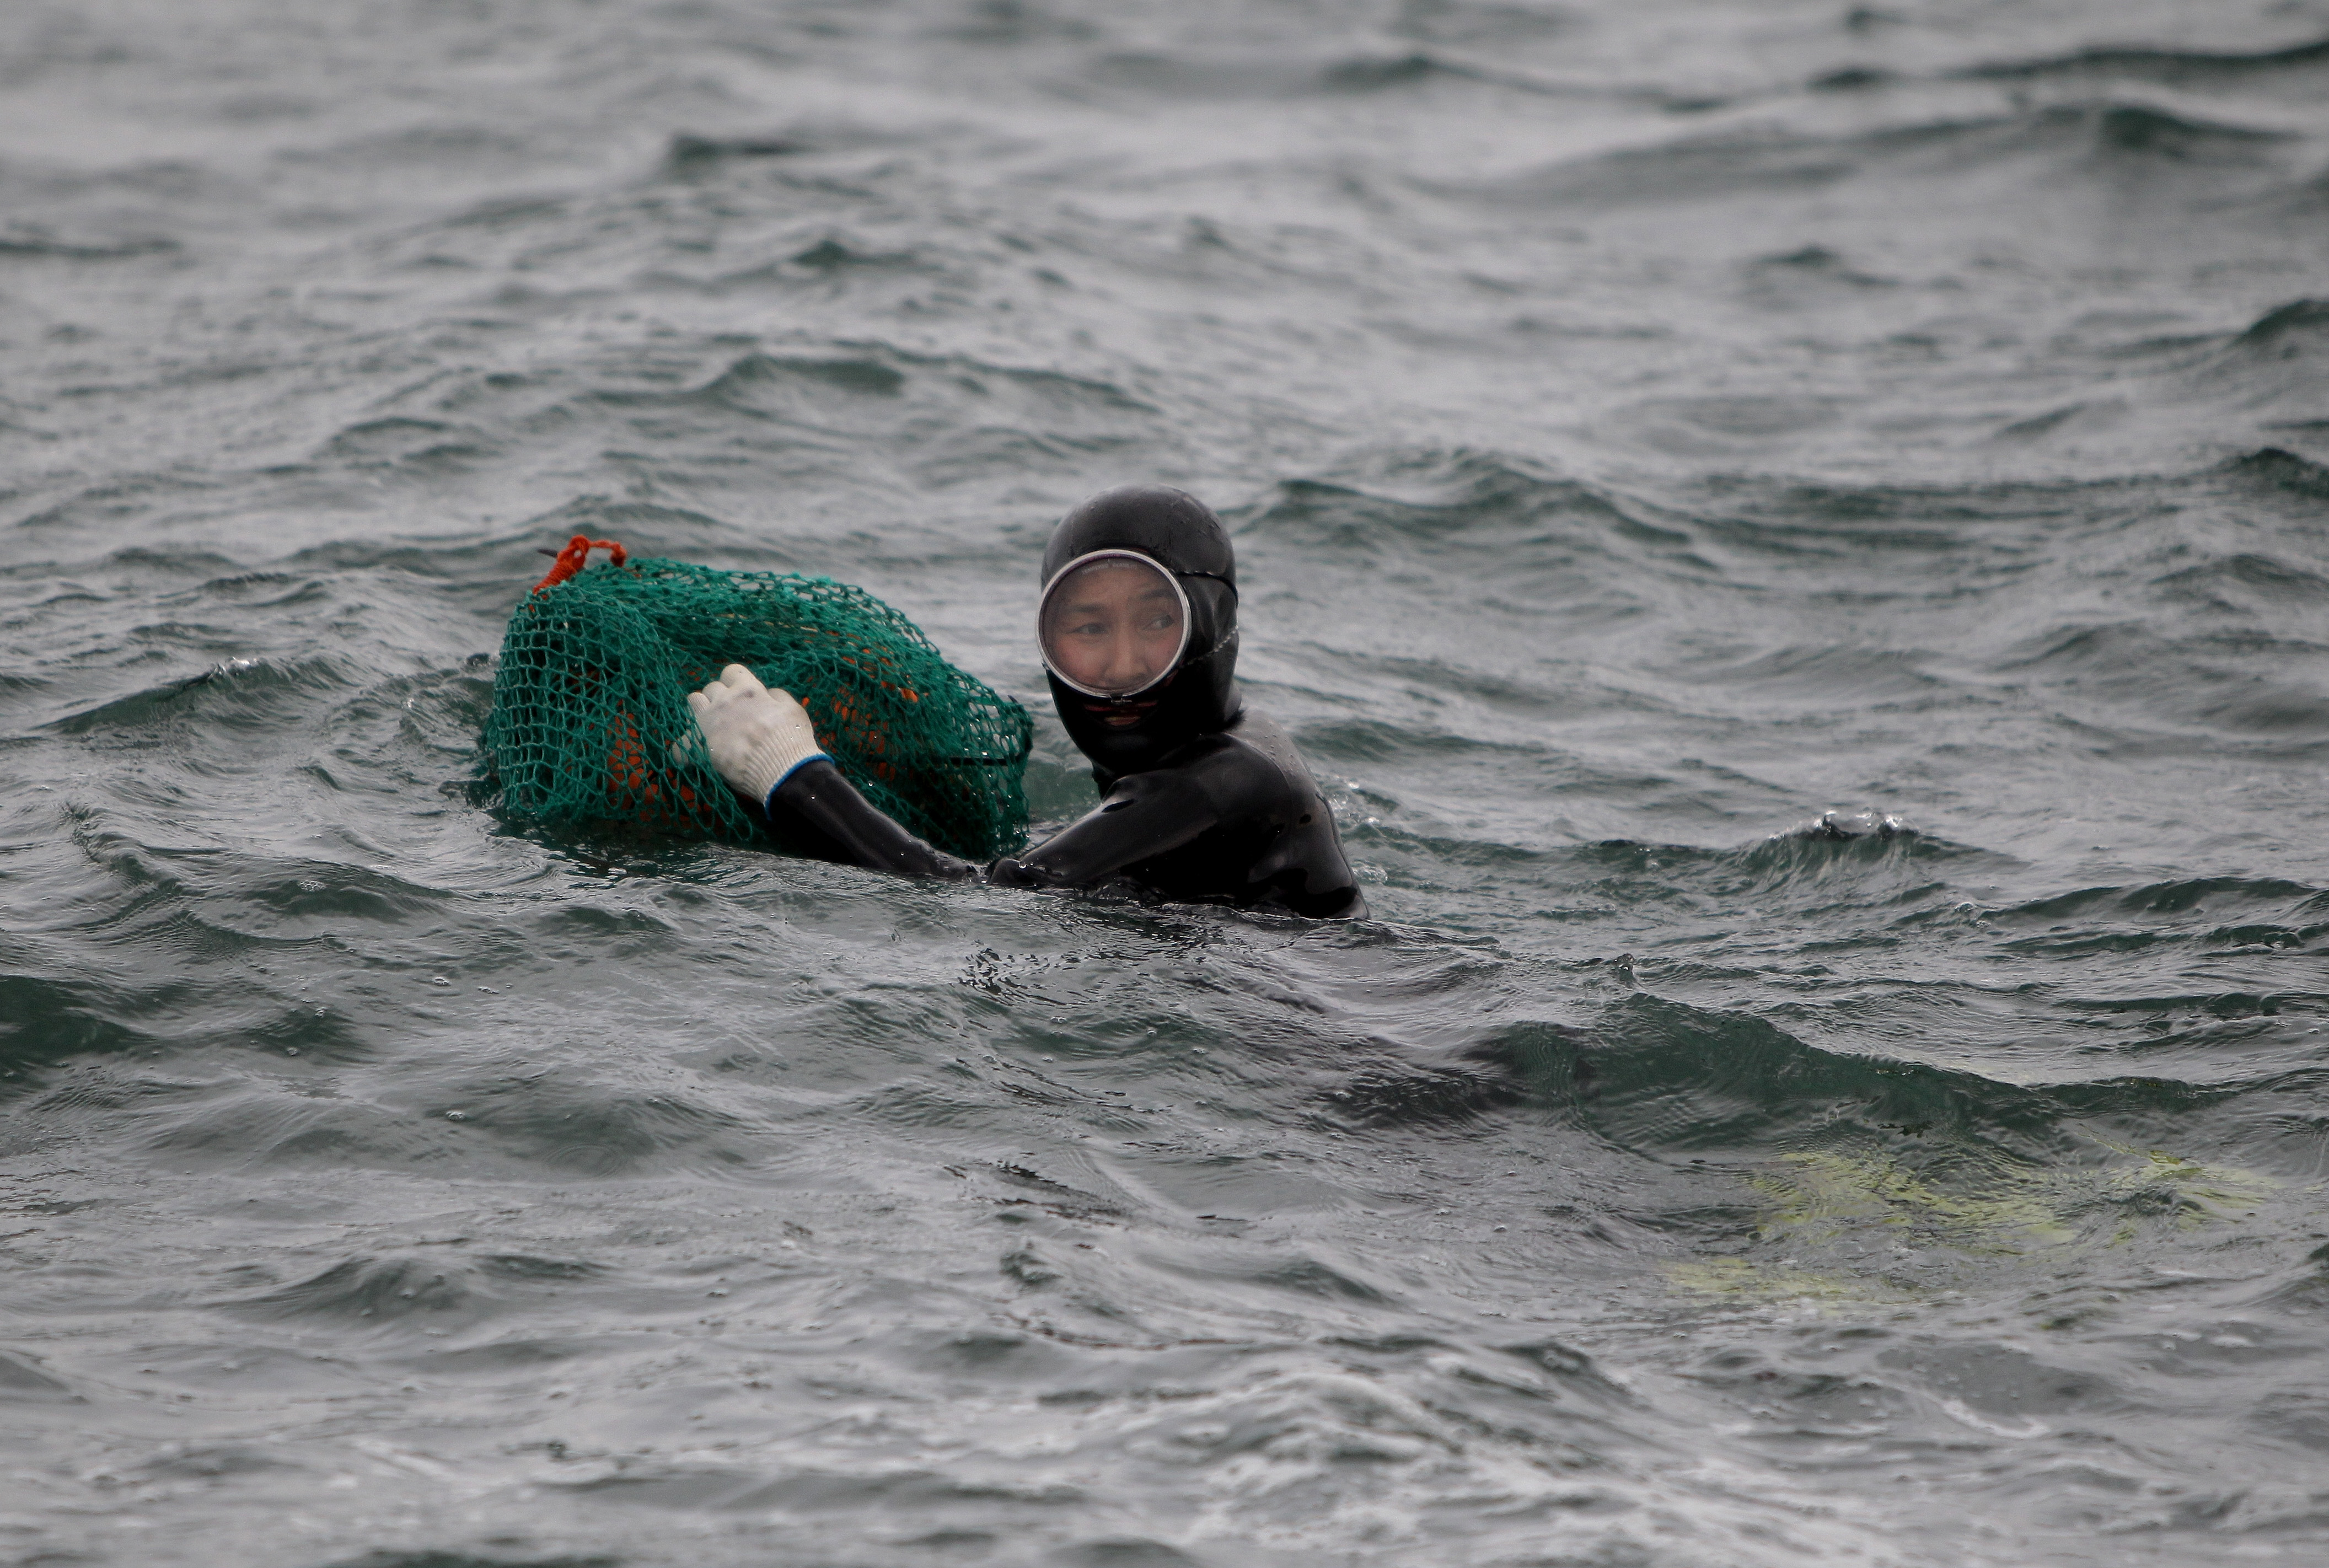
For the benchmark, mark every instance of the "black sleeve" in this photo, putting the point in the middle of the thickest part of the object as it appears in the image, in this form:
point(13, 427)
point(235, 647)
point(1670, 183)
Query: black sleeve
point(1145, 815)
point(816, 812)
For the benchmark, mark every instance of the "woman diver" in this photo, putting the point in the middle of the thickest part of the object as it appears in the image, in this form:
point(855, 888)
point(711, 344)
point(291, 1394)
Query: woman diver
point(1202, 798)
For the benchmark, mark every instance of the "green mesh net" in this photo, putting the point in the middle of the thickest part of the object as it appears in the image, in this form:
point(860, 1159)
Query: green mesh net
point(593, 693)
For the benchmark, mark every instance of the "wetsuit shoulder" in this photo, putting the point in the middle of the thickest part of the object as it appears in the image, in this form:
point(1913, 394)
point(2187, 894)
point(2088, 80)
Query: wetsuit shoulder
point(1232, 816)
point(1304, 868)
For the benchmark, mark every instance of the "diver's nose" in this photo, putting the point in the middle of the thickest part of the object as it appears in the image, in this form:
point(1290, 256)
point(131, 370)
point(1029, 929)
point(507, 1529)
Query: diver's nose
point(1123, 660)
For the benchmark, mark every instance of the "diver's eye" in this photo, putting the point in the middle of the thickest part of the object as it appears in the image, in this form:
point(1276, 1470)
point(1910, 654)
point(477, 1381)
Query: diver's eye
point(1089, 628)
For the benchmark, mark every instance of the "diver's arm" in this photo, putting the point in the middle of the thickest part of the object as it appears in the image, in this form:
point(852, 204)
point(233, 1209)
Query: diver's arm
point(762, 744)
point(1145, 815)
point(817, 812)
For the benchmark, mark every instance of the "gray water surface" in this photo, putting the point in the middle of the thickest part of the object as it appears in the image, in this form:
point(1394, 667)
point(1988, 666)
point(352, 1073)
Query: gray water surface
point(1646, 428)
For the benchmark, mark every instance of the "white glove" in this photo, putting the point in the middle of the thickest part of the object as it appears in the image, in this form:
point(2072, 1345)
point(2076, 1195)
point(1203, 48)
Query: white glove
point(757, 737)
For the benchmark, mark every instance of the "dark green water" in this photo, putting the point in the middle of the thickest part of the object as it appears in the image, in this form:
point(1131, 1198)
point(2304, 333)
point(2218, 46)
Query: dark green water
point(1645, 428)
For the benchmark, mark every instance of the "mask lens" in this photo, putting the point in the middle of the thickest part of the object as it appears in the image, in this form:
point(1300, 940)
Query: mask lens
point(1113, 624)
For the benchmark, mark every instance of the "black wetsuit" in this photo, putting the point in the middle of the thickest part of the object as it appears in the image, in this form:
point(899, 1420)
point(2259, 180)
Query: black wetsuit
point(1200, 799)
point(1230, 818)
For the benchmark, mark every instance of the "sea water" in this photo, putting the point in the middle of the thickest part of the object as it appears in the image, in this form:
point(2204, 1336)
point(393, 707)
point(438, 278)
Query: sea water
point(1646, 428)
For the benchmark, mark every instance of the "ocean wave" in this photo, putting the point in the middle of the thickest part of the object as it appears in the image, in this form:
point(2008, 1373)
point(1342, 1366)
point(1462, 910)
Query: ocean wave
point(2293, 339)
point(2169, 67)
point(2281, 470)
point(21, 246)
point(2095, 137)
point(1668, 1079)
point(465, 147)
point(1182, 76)
point(1482, 21)
point(1804, 600)
point(1550, 534)
point(688, 152)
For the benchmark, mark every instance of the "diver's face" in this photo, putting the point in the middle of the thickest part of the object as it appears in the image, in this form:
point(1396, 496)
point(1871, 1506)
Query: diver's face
point(1113, 627)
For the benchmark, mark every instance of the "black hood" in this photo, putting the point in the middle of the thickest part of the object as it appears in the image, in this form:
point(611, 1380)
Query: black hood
point(1179, 533)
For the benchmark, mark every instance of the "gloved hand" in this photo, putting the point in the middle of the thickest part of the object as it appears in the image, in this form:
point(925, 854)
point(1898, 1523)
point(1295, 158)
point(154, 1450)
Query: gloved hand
point(757, 737)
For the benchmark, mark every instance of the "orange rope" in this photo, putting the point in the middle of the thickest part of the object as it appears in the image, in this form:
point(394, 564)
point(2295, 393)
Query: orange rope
point(578, 551)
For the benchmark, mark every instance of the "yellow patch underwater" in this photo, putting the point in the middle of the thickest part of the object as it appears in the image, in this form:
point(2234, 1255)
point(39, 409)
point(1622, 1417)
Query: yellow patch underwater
point(2000, 1211)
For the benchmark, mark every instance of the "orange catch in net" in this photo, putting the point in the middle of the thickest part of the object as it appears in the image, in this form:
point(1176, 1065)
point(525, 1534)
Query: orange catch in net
point(590, 728)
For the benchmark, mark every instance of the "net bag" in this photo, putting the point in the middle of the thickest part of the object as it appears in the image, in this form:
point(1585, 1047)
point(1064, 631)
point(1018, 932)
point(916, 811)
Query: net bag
point(591, 695)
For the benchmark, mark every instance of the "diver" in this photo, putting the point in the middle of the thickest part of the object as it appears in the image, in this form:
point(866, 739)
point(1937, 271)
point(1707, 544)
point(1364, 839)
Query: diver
point(1202, 798)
